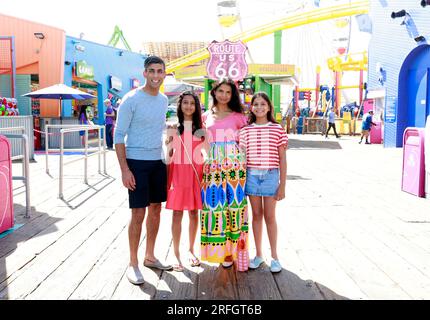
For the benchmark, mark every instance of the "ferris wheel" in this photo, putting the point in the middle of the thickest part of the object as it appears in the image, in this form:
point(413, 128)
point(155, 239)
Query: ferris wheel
point(228, 17)
point(307, 47)
point(310, 46)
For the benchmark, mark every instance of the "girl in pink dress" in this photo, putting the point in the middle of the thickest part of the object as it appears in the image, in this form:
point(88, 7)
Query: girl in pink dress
point(185, 170)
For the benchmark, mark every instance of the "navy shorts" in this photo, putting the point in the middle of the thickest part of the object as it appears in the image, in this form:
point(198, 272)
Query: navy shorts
point(262, 182)
point(151, 182)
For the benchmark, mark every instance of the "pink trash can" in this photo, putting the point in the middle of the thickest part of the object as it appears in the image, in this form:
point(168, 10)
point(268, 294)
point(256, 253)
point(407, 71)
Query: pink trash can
point(6, 200)
point(368, 105)
point(413, 161)
point(375, 135)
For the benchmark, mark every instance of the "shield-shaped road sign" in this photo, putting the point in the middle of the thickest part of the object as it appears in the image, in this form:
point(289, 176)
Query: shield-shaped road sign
point(227, 60)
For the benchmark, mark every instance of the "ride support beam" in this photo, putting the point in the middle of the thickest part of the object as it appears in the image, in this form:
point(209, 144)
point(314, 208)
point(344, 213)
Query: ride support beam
point(277, 88)
point(317, 89)
point(360, 89)
point(337, 86)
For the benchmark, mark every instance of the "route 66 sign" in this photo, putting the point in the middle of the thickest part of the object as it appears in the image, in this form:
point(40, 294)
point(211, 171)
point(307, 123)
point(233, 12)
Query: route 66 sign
point(227, 59)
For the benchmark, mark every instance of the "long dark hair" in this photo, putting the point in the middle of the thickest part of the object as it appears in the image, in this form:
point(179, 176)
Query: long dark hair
point(197, 115)
point(263, 95)
point(234, 104)
point(83, 110)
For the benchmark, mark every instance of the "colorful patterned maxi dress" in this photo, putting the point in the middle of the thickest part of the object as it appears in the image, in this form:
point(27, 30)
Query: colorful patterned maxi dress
point(224, 217)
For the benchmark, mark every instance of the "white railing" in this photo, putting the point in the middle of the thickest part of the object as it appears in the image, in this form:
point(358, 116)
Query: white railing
point(67, 126)
point(99, 150)
point(96, 151)
point(25, 163)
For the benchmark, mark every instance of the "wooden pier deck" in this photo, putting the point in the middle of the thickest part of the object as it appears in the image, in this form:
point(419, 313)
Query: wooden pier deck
point(346, 231)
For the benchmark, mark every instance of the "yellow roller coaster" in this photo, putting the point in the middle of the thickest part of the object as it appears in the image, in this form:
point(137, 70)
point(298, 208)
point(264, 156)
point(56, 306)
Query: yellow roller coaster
point(348, 62)
point(290, 21)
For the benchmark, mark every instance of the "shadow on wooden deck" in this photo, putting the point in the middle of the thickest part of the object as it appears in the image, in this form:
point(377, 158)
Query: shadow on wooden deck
point(88, 191)
point(39, 224)
point(313, 144)
point(210, 282)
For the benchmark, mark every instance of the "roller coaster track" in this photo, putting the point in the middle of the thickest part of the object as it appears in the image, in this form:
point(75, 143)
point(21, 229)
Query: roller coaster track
point(288, 22)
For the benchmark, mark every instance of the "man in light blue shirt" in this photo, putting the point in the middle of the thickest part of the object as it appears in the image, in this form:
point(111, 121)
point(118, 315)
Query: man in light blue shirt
point(331, 123)
point(138, 143)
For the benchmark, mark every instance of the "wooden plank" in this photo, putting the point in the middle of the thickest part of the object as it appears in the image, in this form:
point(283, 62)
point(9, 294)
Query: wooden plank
point(216, 282)
point(399, 230)
point(368, 250)
point(127, 291)
point(102, 280)
point(399, 237)
point(182, 285)
point(328, 275)
point(223, 282)
point(257, 284)
point(48, 232)
point(97, 200)
point(76, 267)
point(293, 281)
point(371, 279)
point(208, 280)
point(34, 273)
point(393, 265)
point(148, 290)
point(405, 275)
point(39, 221)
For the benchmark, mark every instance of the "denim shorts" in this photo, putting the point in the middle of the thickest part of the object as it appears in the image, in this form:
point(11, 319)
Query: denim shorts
point(262, 182)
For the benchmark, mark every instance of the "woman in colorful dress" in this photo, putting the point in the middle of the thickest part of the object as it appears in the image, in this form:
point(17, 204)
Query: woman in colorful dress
point(224, 217)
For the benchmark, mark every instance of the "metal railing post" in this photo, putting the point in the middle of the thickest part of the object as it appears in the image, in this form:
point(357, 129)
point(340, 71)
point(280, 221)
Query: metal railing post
point(26, 168)
point(86, 149)
point(24, 142)
point(86, 158)
point(46, 148)
point(100, 149)
point(104, 150)
point(60, 190)
point(26, 175)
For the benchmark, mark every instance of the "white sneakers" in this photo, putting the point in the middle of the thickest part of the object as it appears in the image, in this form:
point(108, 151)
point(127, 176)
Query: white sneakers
point(134, 275)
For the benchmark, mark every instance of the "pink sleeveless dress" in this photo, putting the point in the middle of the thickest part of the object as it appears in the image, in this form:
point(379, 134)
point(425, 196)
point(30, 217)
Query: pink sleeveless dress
point(183, 188)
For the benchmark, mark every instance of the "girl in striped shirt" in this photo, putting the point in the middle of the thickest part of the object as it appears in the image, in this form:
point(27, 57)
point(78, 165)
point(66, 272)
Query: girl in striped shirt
point(264, 142)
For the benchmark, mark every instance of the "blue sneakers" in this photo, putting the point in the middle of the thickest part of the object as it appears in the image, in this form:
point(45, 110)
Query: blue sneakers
point(275, 266)
point(256, 262)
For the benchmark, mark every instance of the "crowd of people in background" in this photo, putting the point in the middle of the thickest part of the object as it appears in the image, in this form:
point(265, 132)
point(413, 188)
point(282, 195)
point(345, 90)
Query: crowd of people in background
point(290, 123)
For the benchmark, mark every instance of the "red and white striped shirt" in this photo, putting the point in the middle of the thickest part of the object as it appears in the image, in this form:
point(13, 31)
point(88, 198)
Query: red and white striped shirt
point(261, 143)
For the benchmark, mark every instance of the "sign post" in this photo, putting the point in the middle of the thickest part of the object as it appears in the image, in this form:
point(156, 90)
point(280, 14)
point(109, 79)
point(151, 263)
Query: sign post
point(227, 60)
